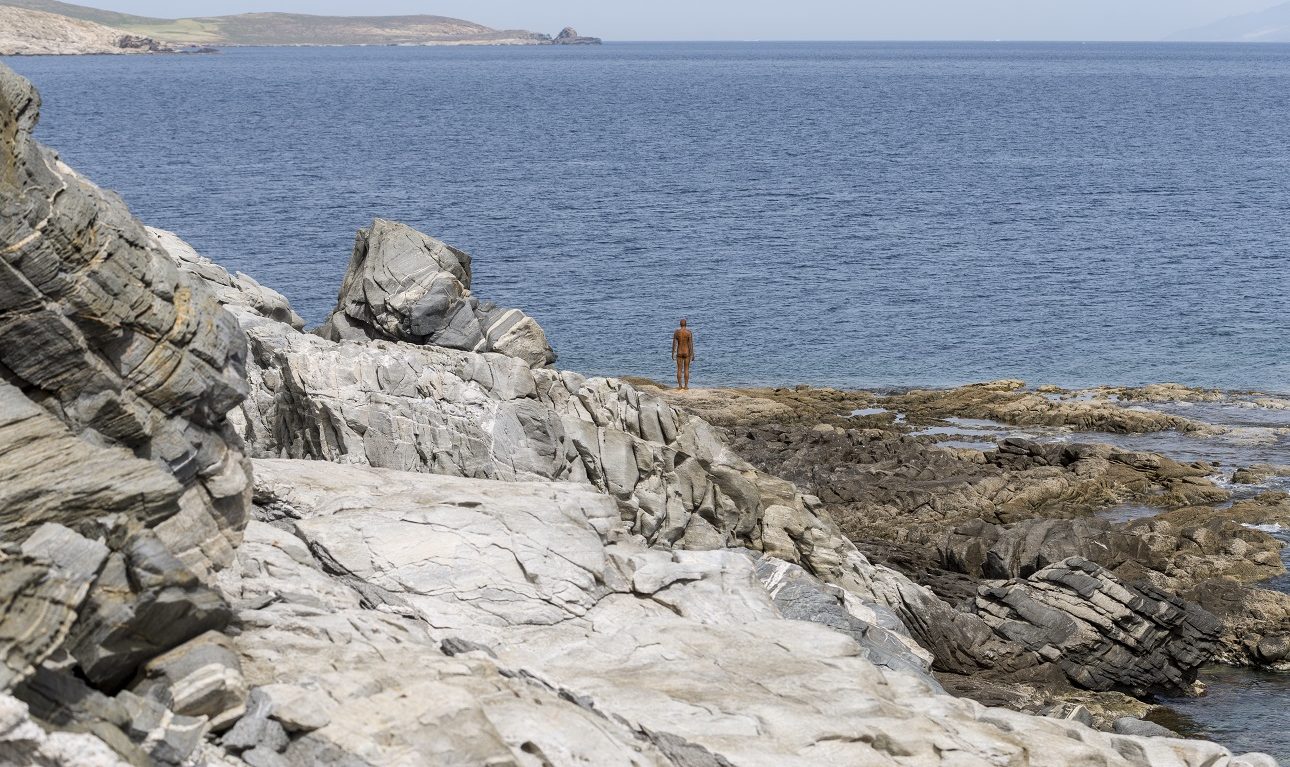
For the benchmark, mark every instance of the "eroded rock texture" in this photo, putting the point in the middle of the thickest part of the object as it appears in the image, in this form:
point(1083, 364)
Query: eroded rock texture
point(99, 328)
point(402, 285)
point(123, 486)
point(396, 617)
point(1104, 634)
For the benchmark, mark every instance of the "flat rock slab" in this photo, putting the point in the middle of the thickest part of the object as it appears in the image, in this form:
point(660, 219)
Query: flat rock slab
point(571, 639)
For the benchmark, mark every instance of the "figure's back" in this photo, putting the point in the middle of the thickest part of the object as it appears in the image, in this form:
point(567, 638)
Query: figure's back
point(684, 342)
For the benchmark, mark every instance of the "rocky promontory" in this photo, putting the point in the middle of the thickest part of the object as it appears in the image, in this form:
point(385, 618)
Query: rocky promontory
point(55, 27)
point(25, 32)
point(570, 36)
point(408, 539)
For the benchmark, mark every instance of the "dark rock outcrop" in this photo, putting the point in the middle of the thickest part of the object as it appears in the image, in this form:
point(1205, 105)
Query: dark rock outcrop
point(1105, 635)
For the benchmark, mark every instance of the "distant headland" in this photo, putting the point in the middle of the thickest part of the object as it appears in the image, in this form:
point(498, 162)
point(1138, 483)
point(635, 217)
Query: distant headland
point(52, 27)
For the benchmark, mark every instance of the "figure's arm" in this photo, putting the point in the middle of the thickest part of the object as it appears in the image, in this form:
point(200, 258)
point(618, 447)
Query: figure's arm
point(675, 343)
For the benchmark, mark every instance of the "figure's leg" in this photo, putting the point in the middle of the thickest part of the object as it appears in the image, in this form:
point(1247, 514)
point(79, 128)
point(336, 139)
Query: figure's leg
point(687, 373)
point(680, 361)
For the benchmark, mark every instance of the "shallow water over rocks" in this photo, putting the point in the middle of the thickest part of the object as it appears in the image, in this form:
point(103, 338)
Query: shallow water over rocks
point(1245, 709)
point(1242, 708)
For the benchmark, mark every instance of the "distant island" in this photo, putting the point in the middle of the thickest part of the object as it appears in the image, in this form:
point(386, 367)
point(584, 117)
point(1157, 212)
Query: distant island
point(30, 27)
point(1270, 26)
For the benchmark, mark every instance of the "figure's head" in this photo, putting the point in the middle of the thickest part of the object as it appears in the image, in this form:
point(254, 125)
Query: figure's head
point(682, 323)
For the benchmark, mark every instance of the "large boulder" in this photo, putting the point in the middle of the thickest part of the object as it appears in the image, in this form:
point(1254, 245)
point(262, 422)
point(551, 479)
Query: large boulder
point(402, 285)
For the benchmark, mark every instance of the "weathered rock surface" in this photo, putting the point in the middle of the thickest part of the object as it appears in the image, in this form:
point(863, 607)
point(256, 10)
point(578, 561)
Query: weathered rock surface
point(25, 32)
point(1105, 635)
point(529, 617)
point(443, 411)
point(101, 329)
point(1256, 622)
point(1008, 402)
point(24, 742)
point(1161, 551)
point(402, 285)
point(231, 290)
point(888, 485)
point(955, 520)
point(124, 486)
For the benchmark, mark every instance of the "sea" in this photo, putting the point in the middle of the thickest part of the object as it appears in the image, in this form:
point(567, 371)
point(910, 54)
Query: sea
point(847, 214)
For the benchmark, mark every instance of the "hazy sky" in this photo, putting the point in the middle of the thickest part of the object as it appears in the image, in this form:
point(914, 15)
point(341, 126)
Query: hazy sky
point(774, 19)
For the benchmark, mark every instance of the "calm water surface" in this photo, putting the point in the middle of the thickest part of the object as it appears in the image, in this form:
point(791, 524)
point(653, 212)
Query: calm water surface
point(852, 214)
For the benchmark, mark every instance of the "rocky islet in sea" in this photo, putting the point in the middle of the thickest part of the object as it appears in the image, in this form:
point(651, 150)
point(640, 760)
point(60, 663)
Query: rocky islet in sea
point(409, 539)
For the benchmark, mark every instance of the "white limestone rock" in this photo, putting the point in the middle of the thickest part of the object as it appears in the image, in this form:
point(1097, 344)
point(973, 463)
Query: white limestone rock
point(471, 620)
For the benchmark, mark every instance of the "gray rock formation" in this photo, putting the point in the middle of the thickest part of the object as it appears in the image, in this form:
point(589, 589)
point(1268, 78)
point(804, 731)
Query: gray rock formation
point(393, 614)
point(25, 742)
point(1105, 635)
point(1165, 551)
point(404, 286)
point(570, 36)
point(235, 290)
point(99, 328)
point(124, 486)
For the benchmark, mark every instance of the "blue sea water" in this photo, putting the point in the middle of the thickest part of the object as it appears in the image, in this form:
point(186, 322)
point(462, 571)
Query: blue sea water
point(830, 213)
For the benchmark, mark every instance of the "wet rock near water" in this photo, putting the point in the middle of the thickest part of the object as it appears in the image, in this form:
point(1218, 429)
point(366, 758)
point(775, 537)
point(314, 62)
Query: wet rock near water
point(1009, 402)
point(961, 521)
point(1104, 634)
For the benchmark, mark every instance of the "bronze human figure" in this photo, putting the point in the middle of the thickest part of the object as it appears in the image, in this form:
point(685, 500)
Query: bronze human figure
point(683, 353)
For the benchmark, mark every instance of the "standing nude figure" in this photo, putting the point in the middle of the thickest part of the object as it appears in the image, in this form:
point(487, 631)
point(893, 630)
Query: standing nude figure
point(683, 353)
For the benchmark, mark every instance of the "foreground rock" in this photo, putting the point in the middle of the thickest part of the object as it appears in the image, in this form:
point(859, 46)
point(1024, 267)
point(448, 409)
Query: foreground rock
point(123, 485)
point(25, 32)
point(520, 619)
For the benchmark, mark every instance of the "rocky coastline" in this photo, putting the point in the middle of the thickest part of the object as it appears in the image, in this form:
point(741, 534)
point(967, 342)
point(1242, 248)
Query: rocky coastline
point(408, 538)
point(52, 28)
point(27, 32)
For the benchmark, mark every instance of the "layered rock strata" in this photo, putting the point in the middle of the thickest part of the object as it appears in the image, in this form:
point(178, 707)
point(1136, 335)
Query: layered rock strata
point(402, 285)
point(976, 526)
point(123, 485)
